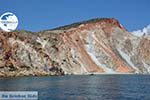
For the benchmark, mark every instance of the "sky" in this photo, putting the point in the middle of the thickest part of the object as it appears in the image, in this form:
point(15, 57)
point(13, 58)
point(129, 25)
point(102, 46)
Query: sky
point(37, 15)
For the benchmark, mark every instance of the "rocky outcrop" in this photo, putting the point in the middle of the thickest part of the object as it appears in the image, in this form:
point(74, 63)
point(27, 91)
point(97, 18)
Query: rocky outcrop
point(90, 47)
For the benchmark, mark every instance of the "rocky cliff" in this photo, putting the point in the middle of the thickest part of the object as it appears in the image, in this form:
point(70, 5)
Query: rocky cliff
point(90, 47)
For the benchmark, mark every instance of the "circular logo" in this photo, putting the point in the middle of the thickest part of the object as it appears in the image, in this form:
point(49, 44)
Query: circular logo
point(8, 22)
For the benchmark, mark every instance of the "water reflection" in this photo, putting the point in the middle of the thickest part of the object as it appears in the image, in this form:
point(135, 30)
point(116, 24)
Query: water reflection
point(99, 87)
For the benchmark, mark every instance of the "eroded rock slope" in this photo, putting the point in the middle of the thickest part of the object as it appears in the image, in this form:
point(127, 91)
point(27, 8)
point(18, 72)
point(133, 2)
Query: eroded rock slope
point(89, 47)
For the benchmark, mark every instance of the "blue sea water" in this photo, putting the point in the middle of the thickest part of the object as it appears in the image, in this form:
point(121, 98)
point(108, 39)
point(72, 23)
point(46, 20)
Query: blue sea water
point(96, 87)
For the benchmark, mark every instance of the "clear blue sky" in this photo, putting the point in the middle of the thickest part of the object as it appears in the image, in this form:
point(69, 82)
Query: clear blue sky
point(36, 15)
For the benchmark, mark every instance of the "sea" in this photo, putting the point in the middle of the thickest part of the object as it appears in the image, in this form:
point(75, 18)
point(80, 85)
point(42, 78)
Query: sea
point(82, 87)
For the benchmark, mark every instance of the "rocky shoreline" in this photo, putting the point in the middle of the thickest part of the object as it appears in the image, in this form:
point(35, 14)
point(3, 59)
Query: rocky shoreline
point(29, 73)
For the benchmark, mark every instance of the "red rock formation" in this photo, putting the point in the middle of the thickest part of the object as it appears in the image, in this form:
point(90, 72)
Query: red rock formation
point(94, 46)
